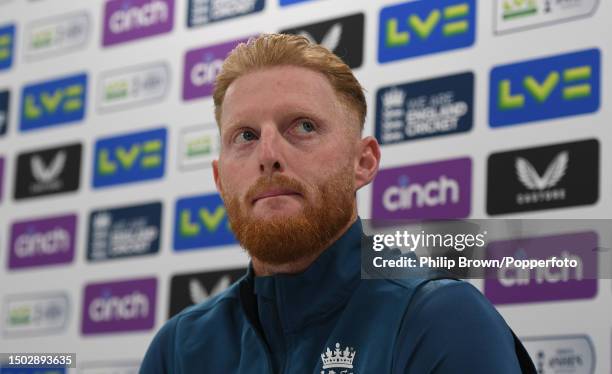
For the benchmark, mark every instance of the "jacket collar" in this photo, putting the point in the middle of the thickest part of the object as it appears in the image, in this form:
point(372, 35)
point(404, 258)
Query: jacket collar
point(322, 288)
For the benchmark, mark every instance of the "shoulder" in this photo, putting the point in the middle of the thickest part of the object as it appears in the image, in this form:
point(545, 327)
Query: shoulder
point(191, 326)
point(451, 324)
point(213, 311)
point(453, 305)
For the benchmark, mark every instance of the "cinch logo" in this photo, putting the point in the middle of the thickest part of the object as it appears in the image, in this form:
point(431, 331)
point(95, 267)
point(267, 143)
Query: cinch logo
point(54, 102)
point(553, 87)
point(126, 20)
point(7, 42)
point(4, 111)
point(130, 158)
point(200, 222)
point(201, 68)
point(547, 177)
point(423, 109)
point(133, 86)
point(195, 288)
point(39, 314)
point(198, 147)
point(119, 306)
point(515, 285)
point(433, 190)
point(42, 242)
point(202, 12)
point(516, 15)
point(573, 354)
point(48, 171)
point(124, 232)
point(343, 36)
point(422, 27)
point(57, 35)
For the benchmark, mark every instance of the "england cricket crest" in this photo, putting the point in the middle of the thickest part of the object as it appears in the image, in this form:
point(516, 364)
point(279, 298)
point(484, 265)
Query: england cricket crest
point(338, 361)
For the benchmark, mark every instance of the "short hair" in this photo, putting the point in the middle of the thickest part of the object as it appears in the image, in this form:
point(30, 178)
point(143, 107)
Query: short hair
point(269, 50)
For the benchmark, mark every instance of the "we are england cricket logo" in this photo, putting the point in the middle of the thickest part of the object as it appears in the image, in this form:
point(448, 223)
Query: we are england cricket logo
point(202, 12)
point(433, 107)
point(418, 28)
point(124, 231)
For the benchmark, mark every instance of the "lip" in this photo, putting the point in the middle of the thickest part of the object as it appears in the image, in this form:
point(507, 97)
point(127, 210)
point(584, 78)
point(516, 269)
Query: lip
point(275, 192)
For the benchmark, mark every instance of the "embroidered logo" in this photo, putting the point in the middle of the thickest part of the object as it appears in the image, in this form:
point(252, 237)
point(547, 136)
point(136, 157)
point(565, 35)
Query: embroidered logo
point(337, 361)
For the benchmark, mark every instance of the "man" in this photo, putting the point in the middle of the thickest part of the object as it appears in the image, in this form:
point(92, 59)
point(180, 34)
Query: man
point(290, 115)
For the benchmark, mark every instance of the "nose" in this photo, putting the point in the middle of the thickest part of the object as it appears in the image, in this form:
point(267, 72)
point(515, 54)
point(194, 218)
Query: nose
point(270, 151)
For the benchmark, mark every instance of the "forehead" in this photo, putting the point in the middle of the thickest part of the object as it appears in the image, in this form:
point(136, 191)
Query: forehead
point(275, 90)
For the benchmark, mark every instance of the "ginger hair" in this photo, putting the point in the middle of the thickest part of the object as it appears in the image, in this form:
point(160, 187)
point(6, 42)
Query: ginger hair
point(269, 50)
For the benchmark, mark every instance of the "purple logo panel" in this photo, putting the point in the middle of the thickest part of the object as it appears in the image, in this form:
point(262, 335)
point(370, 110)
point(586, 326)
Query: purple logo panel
point(516, 285)
point(119, 306)
point(42, 242)
point(126, 20)
point(436, 190)
point(201, 68)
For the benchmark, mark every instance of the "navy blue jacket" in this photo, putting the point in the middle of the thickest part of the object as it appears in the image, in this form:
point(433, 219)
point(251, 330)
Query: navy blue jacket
point(327, 320)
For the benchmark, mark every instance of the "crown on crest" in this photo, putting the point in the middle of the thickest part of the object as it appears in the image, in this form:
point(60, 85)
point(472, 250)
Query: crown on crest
point(102, 220)
point(394, 98)
point(338, 358)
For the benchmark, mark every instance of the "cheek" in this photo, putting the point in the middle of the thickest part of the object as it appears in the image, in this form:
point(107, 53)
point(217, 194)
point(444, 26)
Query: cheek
point(227, 179)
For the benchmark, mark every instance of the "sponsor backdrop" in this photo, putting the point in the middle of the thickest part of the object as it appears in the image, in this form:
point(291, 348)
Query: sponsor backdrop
point(109, 219)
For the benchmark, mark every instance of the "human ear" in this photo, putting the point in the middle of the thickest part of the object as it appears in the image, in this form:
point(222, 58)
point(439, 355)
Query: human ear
point(367, 161)
point(215, 167)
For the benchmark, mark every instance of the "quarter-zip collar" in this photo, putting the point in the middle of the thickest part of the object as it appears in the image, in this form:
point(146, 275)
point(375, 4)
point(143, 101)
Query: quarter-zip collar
point(324, 286)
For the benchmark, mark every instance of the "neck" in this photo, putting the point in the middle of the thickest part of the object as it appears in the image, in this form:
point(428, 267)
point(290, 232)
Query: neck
point(262, 268)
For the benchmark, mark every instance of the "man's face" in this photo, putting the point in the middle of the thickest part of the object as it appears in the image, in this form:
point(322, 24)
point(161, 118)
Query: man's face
point(286, 171)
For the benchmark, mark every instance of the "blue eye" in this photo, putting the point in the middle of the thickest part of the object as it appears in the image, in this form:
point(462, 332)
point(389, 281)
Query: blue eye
point(306, 126)
point(245, 136)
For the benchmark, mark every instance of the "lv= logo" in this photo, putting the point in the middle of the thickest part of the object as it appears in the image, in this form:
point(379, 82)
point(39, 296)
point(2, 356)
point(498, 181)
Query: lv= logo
point(452, 16)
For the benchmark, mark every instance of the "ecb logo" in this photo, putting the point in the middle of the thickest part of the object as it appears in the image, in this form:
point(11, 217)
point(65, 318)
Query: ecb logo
point(7, 40)
point(559, 86)
point(54, 102)
point(201, 221)
point(422, 27)
point(130, 158)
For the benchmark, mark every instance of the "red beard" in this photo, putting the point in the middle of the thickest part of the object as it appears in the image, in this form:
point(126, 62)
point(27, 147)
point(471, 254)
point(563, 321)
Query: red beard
point(281, 240)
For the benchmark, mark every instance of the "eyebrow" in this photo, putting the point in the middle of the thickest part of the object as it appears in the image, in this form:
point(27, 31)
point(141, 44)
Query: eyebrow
point(293, 112)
